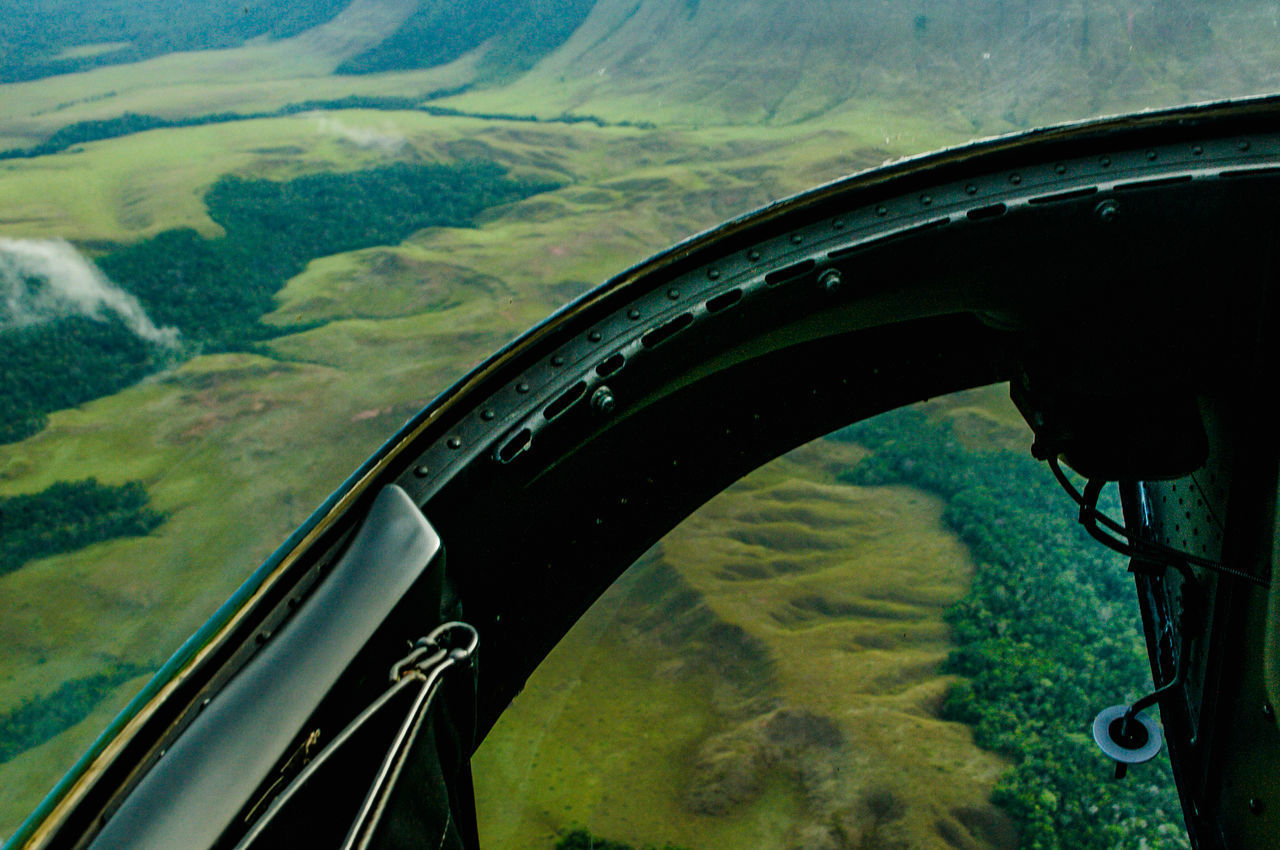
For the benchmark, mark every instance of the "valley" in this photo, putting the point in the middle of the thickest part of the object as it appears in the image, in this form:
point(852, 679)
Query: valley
point(631, 127)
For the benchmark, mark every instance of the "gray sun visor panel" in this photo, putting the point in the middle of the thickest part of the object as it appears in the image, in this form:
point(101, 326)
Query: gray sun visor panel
point(195, 791)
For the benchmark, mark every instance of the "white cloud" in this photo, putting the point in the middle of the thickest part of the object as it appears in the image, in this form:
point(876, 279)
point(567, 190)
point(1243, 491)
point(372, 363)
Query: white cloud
point(387, 139)
point(46, 279)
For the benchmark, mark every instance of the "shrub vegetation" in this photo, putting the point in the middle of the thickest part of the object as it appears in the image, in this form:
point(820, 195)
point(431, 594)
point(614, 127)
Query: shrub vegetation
point(1047, 636)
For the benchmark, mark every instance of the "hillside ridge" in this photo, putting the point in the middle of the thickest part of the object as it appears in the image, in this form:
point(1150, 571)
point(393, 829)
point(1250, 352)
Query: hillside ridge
point(1002, 64)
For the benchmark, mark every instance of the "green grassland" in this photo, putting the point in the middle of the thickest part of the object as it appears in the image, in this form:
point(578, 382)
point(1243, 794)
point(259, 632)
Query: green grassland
point(237, 448)
point(837, 592)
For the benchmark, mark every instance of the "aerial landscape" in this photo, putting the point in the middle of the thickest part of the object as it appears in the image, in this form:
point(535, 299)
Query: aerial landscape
point(239, 247)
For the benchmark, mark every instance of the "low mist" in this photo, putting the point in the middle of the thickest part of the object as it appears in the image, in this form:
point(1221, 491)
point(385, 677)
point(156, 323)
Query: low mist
point(387, 139)
point(46, 279)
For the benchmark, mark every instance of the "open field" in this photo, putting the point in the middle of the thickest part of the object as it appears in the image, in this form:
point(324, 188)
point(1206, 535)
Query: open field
point(236, 448)
point(837, 594)
point(841, 628)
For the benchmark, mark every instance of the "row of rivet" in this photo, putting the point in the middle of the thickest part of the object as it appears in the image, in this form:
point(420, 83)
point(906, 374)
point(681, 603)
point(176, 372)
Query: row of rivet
point(830, 282)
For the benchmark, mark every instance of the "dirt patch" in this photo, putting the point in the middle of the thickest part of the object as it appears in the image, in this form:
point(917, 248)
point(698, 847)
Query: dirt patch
point(730, 768)
point(990, 825)
point(786, 537)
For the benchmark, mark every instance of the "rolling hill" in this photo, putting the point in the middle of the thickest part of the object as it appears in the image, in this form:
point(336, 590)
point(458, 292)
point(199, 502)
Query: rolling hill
point(653, 119)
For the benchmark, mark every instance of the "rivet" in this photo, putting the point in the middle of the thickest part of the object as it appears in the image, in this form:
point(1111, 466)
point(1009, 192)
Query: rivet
point(882, 211)
point(1268, 712)
point(454, 443)
point(595, 336)
point(522, 387)
point(1196, 150)
point(1059, 169)
point(602, 400)
point(1151, 155)
point(1256, 806)
point(714, 274)
point(831, 280)
point(796, 238)
point(422, 471)
point(753, 255)
point(838, 224)
point(1105, 162)
point(633, 313)
point(1015, 178)
point(971, 189)
point(926, 199)
point(487, 414)
point(673, 294)
point(557, 360)
point(1244, 145)
point(1107, 211)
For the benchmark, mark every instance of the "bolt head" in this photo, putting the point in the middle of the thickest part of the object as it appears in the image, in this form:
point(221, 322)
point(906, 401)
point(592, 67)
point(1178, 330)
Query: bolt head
point(602, 400)
point(1107, 211)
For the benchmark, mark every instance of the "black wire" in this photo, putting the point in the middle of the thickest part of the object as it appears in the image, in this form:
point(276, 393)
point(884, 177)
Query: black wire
point(1128, 546)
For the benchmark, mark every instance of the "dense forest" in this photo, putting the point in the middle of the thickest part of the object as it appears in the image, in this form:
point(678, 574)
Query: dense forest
point(581, 839)
point(519, 32)
point(113, 128)
point(82, 132)
point(70, 515)
point(214, 290)
point(37, 720)
point(64, 363)
point(1047, 636)
point(37, 37)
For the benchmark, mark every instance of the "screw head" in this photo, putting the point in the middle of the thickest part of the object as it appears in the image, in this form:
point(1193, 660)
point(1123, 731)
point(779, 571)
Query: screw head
point(602, 401)
point(831, 280)
point(422, 471)
point(1107, 211)
point(1256, 806)
point(1268, 712)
